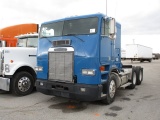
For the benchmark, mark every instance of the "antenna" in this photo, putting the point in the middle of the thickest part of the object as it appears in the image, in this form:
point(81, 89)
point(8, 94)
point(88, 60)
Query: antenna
point(106, 7)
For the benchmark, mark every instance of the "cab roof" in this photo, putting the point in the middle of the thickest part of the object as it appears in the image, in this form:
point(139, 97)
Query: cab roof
point(99, 15)
point(27, 35)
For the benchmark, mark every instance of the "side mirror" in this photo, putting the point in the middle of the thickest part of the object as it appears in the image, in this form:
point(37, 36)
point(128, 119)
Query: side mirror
point(112, 28)
point(2, 43)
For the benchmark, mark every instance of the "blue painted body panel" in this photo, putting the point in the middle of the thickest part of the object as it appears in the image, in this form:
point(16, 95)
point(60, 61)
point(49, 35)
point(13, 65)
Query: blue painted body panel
point(90, 52)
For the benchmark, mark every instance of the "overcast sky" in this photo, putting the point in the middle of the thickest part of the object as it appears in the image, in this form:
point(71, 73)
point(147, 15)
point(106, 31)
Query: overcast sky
point(140, 19)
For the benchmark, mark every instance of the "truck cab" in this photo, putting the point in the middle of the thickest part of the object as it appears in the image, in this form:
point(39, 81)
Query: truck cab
point(27, 40)
point(7, 34)
point(79, 58)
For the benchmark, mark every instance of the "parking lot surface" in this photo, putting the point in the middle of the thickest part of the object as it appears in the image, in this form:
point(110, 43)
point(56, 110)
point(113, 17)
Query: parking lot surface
point(141, 103)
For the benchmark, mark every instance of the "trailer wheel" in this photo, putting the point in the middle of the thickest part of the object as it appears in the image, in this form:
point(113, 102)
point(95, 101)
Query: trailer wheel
point(133, 79)
point(139, 75)
point(111, 90)
point(22, 83)
point(150, 60)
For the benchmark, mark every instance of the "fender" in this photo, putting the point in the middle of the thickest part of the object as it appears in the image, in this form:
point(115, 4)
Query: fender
point(15, 58)
point(15, 67)
point(116, 72)
point(114, 69)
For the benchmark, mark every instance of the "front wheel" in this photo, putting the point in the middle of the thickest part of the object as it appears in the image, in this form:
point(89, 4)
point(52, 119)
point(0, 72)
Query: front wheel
point(111, 89)
point(22, 83)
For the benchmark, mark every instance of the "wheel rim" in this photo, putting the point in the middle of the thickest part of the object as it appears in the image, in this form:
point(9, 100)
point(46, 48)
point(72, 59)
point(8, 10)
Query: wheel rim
point(112, 88)
point(134, 78)
point(140, 75)
point(24, 84)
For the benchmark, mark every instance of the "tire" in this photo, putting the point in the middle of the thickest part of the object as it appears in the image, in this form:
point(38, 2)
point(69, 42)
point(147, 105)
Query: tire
point(22, 83)
point(3, 92)
point(141, 60)
point(139, 75)
point(111, 89)
point(133, 79)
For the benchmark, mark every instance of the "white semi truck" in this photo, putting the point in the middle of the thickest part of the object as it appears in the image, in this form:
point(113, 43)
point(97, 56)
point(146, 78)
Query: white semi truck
point(137, 52)
point(17, 64)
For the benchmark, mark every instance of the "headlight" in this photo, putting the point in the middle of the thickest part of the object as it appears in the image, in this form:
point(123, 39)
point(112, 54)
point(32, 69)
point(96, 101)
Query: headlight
point(88, 72)
point(7, 68)
point(38, 68)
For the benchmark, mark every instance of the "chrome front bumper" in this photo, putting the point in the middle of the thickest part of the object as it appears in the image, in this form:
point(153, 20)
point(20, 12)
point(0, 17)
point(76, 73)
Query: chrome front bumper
point(4, 84)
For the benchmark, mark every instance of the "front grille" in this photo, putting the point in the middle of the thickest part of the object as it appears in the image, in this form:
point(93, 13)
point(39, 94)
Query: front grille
point(61, 66)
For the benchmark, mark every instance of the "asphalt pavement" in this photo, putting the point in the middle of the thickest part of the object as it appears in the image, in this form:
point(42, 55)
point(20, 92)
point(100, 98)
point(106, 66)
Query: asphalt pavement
point(141, 103)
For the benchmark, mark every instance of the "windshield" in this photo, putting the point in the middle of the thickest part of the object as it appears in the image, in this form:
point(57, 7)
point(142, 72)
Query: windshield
point(27, 42)
point(52, 29)
point(70, 27)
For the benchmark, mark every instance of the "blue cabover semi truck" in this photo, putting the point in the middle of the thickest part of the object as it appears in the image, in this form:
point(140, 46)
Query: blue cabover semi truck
point(80, 58)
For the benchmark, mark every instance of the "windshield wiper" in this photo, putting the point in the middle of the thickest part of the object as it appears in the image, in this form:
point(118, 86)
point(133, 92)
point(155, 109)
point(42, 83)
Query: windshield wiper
point(44, 37)
point(31, 46)
point(75, 35)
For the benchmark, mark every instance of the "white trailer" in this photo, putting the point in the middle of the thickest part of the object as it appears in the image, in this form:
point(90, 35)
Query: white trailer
point(123, 54)
point(137, 52)
point(17, 65)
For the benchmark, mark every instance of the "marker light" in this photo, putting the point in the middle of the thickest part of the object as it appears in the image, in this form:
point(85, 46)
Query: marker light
point(102, 68)
point(11, 61)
